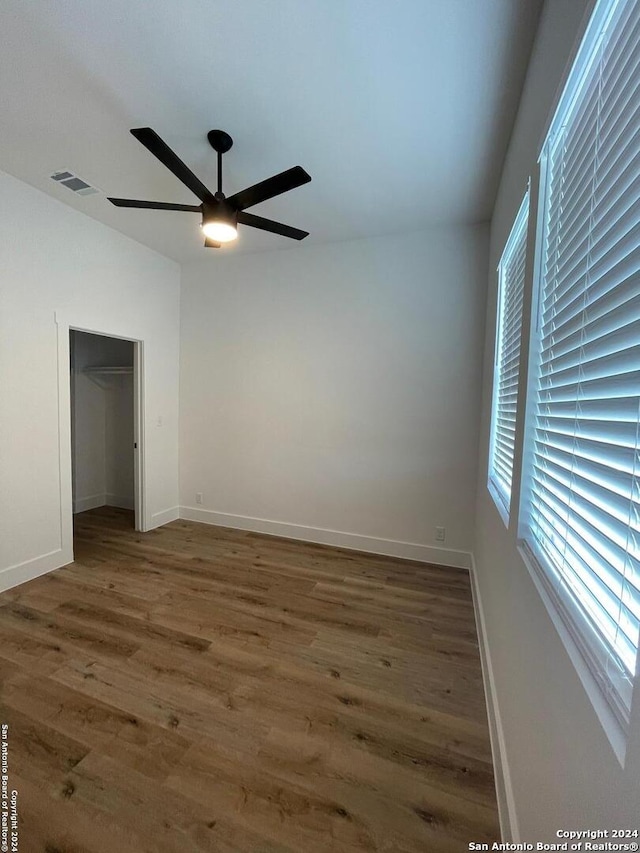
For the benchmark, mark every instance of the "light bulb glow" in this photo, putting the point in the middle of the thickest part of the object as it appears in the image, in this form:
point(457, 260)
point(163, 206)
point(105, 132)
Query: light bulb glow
point(219, 231)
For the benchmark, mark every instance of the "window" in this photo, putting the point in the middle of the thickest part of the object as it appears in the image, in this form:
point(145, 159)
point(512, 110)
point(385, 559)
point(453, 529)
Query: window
point(581, 495)
point(507, 361)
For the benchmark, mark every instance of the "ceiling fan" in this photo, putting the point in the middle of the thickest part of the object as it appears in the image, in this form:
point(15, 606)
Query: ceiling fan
point(220, 215)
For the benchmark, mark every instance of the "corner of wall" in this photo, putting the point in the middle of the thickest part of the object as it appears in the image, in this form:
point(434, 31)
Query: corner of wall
point(334, 538)
point(509, 828)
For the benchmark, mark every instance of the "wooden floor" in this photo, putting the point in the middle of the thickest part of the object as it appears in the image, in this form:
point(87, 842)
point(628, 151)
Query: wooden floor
point(203, 689)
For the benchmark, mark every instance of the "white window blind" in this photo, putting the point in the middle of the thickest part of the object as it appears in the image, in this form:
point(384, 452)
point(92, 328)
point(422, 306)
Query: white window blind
point(507, 358)
point(582, 513)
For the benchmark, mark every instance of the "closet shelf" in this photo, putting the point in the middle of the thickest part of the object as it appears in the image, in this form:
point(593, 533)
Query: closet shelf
point(104, 376)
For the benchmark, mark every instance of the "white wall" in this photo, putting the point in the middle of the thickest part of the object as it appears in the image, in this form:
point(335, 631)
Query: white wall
point(102, 423)
point(332, 392)
point(119, 437)
point(56, 263)
point(563, 771)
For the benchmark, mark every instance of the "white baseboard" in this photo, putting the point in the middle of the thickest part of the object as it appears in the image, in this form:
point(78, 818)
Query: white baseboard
point(120, 501)
point(30, 569)
point(164, 517)
point(504, 791)
point(337, 538)
point(106, 499)
point(90, 502)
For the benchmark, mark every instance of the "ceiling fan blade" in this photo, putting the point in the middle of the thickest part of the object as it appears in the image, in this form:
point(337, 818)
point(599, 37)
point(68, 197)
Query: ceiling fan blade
point(211, 244)
point(270, 225)
point(276, 185)
point(150, 139)
point(154, 205)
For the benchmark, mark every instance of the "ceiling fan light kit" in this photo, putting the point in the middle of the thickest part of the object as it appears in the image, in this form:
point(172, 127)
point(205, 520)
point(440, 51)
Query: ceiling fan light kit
point(219, 231)
point(220, 215)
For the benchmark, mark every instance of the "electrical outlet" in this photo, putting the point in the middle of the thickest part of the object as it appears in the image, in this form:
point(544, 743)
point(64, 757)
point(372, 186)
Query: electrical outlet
point(198, 497)
point(440, 534)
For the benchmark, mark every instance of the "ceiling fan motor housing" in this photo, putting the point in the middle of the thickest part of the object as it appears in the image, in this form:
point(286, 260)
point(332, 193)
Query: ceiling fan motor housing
point(219, 211)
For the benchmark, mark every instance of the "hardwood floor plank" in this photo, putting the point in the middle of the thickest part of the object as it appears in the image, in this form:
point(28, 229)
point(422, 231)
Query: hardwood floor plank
point(60, 824)
point(116, 624)
point(37, 751)
point(278, 808)
point(145, 747)
point(296, 691)
point(201, 689)
point(67, 632)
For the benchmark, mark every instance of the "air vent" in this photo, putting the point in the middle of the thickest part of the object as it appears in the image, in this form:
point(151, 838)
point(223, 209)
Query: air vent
point(73, 182)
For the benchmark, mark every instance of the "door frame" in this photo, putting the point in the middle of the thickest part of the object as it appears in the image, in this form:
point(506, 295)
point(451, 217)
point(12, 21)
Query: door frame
point(65, 325)
point(139, 506)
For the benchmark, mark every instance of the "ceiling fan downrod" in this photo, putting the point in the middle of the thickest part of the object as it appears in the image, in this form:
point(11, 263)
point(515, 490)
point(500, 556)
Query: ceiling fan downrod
point(221, 142)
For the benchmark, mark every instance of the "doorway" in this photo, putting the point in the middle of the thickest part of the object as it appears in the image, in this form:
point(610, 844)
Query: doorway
point(105, 424)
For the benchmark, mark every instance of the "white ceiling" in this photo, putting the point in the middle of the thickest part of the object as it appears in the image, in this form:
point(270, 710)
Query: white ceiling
point(400, 110)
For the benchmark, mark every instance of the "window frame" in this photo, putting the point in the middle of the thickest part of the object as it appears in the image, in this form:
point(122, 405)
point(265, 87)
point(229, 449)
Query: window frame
point(573, 636)
point(519, 230)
